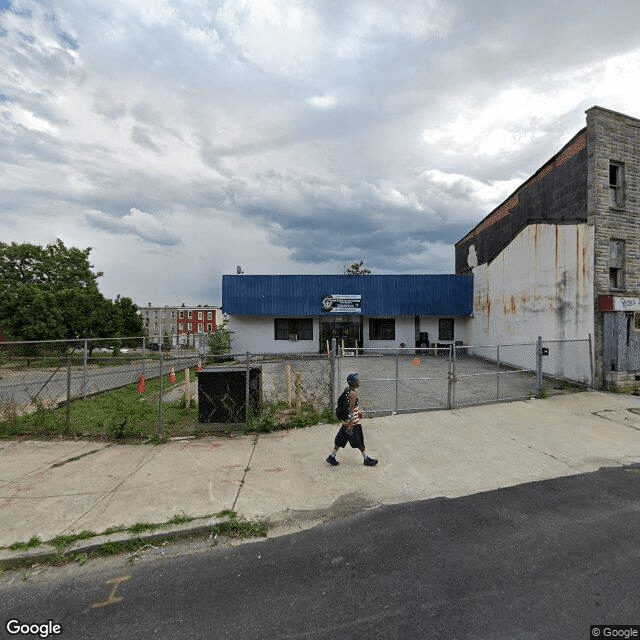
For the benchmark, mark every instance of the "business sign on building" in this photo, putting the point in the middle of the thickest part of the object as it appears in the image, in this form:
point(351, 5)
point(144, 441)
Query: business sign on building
point(342, 303)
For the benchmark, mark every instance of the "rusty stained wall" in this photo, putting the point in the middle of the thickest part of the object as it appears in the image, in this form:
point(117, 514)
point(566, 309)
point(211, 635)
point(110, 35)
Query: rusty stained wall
point(541, 284)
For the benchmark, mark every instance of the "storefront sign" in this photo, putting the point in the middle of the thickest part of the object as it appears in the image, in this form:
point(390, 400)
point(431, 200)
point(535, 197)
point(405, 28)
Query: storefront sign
point(341, 303)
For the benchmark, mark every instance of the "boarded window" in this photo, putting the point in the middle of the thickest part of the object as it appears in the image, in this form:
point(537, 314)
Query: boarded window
point(382, 329)
point(286, 328)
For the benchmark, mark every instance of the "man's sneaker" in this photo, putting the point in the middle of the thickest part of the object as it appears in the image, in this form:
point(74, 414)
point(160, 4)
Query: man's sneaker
point(370, 462)
point(332, 461)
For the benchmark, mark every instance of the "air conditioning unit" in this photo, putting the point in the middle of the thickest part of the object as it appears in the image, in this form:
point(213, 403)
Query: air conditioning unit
point(293, 337)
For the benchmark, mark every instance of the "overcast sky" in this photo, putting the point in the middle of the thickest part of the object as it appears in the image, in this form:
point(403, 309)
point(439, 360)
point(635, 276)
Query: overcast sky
point(181, 138)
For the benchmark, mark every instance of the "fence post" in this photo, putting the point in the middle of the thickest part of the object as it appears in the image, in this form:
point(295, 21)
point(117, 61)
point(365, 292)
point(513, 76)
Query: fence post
point(591, 382)
point(497, 373)
point(84, 369)
point(397, 374)
point(452, 348)
point(332, 374)
point(539, 367)
point(68, 417)
point(160, 416)
point(246, 390)
point(450, 383)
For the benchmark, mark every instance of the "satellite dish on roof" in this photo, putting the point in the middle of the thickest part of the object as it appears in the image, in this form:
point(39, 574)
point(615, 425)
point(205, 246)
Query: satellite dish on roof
point(239, 270)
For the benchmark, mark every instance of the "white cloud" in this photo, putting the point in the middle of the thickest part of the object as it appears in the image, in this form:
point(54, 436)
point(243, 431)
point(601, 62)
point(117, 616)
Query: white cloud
point(273, 133)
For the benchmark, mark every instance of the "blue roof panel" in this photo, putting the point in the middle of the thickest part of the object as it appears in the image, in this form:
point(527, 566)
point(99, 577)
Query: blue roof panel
point(382, 295)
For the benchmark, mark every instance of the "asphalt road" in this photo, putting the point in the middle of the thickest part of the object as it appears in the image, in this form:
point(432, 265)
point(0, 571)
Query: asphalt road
point(541, 560)
point(51, 385)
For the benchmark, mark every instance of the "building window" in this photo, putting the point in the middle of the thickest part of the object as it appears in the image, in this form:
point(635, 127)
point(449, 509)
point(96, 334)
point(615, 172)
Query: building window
point(199, 315)
point(636, 320)
point(189, 326)
point(181, 315)
point(189, 314)
point(287, 328)
point(209, 329)
point(208, 315)
point(615, 184)
point(200, 327)
point(616, 264)
point(180, 326)
point(382, 329)
point(445, 329)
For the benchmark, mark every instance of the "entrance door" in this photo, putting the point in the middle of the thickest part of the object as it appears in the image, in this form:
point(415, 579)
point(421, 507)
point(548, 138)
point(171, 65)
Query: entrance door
point(347, 329)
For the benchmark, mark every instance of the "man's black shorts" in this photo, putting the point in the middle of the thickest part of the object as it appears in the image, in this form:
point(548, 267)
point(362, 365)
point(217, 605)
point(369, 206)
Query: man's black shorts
point(355, 438)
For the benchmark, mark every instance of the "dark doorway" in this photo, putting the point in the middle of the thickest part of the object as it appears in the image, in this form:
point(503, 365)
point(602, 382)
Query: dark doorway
point(342, 328)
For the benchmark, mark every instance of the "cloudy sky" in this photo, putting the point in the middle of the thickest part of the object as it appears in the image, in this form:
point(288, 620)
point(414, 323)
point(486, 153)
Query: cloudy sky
point(180, 138)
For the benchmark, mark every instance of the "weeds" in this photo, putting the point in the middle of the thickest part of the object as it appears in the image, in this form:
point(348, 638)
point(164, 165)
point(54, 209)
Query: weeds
point(25, 546)
point(62, 542)
point(281, 416)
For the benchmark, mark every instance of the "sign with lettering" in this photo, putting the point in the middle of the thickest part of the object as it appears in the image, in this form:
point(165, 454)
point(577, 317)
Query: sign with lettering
point(341, 303)
point(626, 304)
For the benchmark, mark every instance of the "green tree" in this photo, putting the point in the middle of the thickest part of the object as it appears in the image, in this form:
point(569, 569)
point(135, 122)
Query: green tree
point(357, 269)
point(220, 340)
point(52, 292)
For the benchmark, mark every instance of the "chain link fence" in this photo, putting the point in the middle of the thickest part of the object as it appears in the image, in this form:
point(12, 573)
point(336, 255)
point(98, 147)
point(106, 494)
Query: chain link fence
point(137, 387)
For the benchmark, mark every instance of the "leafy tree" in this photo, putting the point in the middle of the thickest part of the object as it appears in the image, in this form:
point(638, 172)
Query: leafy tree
point(220, 340)
point(357, 269)
point(51, 292)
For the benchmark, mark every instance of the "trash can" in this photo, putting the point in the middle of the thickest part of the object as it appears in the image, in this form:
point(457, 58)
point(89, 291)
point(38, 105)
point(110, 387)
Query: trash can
point(222, 393)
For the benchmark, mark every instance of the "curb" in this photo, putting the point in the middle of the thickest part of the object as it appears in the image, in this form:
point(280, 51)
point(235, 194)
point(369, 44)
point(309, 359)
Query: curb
point(10, 559)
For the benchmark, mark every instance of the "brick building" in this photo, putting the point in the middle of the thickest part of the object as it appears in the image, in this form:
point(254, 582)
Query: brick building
point(560, 257)
point(181, 324)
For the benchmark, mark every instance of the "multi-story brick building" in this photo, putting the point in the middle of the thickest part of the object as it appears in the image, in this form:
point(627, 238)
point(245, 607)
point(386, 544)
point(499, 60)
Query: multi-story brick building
point(180, 324)
point(560, 258)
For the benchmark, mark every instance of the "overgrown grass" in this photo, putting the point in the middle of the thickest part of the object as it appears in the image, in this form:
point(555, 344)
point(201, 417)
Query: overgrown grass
point(281, 416)
point(25, 546)
point(113, 415)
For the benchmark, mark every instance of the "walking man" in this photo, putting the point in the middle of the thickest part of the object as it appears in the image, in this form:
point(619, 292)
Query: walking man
point(351, 429)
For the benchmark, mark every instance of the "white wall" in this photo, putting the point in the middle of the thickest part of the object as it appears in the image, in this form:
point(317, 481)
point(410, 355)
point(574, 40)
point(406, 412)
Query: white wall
point(256, 334)
point(540, 285)
point(431, 325)
point(405, 332)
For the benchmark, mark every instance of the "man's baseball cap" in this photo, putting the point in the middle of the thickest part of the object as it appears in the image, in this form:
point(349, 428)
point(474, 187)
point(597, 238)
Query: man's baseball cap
point(352, 380)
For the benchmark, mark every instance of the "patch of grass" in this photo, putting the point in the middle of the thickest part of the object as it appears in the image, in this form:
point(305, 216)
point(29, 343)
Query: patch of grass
point(111, 530)
point(238, 528)
point(282, 416)
point(119, 414)
point(25, 546)
point(228, 513)
point(180, 519)
point(139, 527)
point(62, 542)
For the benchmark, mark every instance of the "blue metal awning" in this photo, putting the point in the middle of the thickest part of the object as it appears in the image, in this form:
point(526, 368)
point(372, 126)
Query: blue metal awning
point(372, 295)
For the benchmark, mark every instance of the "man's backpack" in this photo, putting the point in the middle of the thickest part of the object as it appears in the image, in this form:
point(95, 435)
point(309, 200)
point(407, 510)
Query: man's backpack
point(342, 408)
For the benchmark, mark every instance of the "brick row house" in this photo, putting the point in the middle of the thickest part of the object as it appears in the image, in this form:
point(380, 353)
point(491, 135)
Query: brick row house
point(182, 324)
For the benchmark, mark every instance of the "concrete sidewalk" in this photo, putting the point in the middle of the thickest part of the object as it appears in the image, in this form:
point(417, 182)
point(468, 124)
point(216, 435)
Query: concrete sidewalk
point(63, 487)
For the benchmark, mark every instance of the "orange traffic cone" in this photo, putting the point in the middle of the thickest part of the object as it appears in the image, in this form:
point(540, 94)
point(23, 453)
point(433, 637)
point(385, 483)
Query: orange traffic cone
point(172, 375)
point(141, 385)
point(199, 367)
